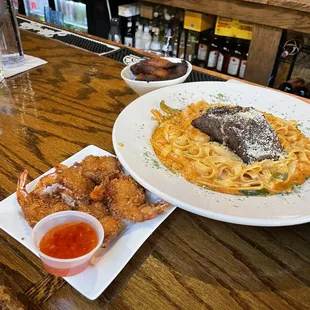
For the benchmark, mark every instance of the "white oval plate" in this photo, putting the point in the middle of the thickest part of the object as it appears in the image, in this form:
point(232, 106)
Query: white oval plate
point(131, 138)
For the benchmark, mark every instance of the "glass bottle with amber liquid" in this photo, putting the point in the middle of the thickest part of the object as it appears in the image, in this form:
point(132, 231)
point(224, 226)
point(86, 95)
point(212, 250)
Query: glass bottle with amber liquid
point(224, 56)
point(213, 53)
point(202, 53)
point(235, 59)
point(244, 60)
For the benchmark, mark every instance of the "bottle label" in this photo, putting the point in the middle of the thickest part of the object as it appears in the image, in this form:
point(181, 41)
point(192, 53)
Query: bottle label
point(213, 59)
point(128, 41)
point(242, 68)
point(220, 61)
point(202, 52)
point(233, 66)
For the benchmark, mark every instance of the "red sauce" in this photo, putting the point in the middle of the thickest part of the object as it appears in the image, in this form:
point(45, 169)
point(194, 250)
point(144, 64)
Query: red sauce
point(69, 240)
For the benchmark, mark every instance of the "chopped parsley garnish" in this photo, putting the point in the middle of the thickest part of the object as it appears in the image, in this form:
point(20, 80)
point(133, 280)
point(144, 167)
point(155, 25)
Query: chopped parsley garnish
point(256, 192)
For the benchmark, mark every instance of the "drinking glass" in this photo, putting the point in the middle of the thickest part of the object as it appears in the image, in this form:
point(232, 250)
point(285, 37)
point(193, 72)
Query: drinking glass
point(10, 43)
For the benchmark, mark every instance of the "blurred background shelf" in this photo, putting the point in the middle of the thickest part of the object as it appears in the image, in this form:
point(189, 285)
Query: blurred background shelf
point(273, 23)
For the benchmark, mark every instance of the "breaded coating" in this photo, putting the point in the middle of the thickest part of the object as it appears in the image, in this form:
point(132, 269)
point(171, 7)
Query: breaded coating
point(112, 226)
point(97, 168)
point(34, 206)
point(126, 199)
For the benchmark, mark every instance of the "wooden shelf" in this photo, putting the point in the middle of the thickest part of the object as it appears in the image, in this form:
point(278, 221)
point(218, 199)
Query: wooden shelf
point(269, 18)
point(299, 5)
point(251, 10)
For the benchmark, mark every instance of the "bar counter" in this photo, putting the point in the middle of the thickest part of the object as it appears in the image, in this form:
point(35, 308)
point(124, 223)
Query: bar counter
point(189, 262)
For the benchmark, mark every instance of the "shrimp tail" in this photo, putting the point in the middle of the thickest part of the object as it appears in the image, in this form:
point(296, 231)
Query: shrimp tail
point(22, 194)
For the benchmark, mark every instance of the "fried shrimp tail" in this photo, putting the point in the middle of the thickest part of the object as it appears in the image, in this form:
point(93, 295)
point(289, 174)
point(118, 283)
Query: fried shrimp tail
point(127, 200)
point(35, 205)
point(23, 197)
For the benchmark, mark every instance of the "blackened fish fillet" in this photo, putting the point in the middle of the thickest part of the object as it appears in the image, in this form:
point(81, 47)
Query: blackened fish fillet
point(244, 130)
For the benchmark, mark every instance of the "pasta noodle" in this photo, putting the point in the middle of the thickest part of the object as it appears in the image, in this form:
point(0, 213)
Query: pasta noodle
point(187, 151)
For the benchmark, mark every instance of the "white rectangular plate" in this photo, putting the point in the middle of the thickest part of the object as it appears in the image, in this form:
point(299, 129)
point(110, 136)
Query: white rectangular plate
point(95, 279)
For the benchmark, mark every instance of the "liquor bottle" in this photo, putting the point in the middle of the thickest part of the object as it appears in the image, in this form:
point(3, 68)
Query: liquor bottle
point(189, 52)
point(213, 53)
point(162, 28)
point(137, 23)
point(175, 40)
point(128, 39)
point(115, 34)
point(146, 38)
point(167, 46)
point(182, 46)
point(175, 48)
point(138, 37)
point(224, 56)
point(194, 45)
point(290, 86)
point(244, 60)
point(155, 45)
point(303, 91)
point(152, 26)
point(235, 59)
point(202, 52)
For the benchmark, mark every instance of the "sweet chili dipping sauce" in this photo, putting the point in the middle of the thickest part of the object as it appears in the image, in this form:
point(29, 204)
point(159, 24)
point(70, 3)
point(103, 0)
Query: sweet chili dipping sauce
point(69, 240)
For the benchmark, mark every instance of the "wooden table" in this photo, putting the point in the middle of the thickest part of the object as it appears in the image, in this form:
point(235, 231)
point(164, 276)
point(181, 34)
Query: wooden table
point(190, 262)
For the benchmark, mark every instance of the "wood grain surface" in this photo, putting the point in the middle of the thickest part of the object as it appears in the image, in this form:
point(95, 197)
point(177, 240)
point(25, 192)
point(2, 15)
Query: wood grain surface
point(299, 5)
point(269, 15)
point(189, 262)
point(262, 56)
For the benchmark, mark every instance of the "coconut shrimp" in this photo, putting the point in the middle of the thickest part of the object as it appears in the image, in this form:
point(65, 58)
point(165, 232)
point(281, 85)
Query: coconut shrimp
point(98, 168)
point(112, 225)
point(126, 199)
point(35, 206)
point(75, 186)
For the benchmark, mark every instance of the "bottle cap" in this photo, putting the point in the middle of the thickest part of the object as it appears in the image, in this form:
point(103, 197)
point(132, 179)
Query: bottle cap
point(114, 21)
point(140, 27)
point(146, 29)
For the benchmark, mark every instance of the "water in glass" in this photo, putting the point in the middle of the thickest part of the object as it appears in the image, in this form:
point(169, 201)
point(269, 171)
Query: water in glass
point(10, 43)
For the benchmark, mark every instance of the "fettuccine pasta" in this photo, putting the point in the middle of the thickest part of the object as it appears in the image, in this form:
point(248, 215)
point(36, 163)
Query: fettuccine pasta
point(187, 151)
